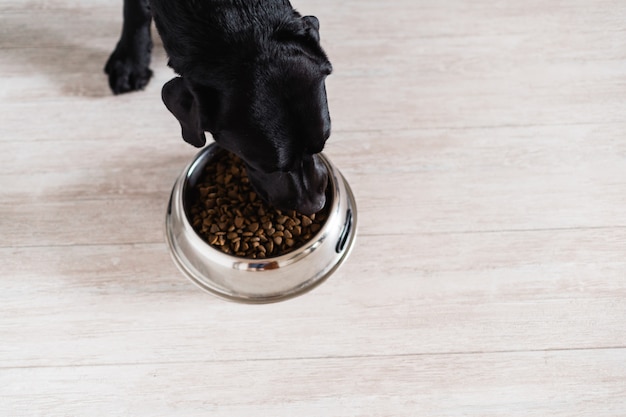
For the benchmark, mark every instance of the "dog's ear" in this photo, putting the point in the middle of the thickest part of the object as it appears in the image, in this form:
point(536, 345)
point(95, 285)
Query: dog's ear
point(194, 106)
point(181, 103)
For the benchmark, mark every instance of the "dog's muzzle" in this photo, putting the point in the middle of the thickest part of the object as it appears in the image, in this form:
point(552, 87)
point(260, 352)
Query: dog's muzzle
point(302, 189)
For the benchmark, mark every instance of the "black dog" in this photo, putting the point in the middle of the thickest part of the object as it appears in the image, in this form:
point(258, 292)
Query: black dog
point(252, 74)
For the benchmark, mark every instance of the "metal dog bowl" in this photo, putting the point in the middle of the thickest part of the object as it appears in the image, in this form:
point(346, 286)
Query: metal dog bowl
point(260, 280)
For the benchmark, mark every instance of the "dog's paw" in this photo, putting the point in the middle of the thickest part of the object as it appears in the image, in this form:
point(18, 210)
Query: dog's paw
point(125, 73)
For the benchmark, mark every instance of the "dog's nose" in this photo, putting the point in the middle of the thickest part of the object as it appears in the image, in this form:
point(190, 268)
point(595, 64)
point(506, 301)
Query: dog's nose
point(311, 206)
point(315, 179)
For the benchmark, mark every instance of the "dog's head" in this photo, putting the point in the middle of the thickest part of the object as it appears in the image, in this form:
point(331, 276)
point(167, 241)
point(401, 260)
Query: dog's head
point(265, 101)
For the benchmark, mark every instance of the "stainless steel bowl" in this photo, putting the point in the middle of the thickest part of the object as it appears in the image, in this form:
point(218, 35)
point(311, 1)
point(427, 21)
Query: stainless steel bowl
point(260, 280)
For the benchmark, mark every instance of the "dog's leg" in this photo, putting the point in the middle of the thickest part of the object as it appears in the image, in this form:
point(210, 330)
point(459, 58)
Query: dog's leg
point(128, 65)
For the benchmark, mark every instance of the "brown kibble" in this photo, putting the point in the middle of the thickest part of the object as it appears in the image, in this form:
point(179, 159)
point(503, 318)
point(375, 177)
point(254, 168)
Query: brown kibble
point(239, 222)
point(229, 215)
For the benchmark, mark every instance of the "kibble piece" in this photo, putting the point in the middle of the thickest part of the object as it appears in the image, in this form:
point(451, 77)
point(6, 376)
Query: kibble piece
point(239, 222)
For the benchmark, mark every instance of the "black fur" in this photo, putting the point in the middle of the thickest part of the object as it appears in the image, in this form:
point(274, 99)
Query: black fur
point(128, 66)
point(252, 74)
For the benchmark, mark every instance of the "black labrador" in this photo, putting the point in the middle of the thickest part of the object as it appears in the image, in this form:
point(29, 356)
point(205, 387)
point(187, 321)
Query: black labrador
point(252, 73)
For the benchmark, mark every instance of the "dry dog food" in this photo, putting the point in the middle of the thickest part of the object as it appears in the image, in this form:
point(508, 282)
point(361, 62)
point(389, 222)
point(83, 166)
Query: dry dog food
point(228, 214)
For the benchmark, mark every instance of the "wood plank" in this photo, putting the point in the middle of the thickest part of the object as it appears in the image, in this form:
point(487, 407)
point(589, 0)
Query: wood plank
point(444, 293)
point(567, 384)
point(468, 180)
point(456, 94)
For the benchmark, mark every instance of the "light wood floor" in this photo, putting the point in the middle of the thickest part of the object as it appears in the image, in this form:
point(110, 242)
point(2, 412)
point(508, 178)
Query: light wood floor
point(486, 144)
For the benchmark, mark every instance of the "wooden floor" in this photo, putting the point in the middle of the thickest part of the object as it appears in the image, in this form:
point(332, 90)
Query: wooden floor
point(486, 144)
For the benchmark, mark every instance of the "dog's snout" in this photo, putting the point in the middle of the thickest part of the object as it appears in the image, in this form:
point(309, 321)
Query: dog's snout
point(302, 189)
